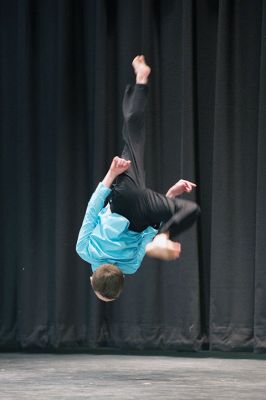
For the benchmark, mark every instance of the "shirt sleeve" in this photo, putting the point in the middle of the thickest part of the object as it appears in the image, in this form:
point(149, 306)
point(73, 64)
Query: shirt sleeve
point(147, 237)
point(96, 203)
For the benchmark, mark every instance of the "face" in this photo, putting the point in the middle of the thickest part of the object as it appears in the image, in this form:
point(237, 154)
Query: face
point(100, 297)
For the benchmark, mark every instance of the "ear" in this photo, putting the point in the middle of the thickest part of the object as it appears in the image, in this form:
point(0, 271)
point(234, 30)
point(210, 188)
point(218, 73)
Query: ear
point(91, 279)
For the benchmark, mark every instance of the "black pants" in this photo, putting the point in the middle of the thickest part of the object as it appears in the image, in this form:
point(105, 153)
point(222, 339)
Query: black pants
point(130, 197)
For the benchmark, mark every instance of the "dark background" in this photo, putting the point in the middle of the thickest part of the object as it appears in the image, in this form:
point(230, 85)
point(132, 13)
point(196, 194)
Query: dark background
point(64, 65)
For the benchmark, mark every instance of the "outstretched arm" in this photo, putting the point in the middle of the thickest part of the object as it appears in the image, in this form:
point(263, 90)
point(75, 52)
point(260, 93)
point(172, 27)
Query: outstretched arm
point(96, 203)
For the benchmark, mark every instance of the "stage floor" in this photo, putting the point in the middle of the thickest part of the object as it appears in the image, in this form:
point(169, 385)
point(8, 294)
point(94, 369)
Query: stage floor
point(124, 377)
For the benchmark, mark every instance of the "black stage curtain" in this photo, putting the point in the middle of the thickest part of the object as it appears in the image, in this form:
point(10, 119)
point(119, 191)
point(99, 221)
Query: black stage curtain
point(64, 65)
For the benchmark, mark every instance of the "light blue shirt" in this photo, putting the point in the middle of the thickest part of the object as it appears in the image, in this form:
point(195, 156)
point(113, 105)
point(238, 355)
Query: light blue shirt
point(104, 237)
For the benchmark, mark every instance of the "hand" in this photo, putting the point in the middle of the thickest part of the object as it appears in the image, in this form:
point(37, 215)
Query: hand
point(180, 187)
point(185, 186)
point(119, 165)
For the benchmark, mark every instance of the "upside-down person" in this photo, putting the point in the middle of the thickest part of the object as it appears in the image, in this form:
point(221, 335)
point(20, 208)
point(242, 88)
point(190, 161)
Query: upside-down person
point(125, 220)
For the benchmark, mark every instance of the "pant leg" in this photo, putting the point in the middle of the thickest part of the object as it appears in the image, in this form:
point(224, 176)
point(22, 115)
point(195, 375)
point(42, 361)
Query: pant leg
point(144, 207)
point(134, 104)
point(125, 192)
point(172, 215)
point(185, 215)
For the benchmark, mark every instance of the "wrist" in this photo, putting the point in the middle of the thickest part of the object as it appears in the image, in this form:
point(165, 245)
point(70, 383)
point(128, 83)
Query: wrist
point(111, 174)
point(169, 194)
point(109, 178)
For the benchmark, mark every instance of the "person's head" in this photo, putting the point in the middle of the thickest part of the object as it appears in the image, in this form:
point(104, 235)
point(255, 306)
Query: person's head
point(107, 282)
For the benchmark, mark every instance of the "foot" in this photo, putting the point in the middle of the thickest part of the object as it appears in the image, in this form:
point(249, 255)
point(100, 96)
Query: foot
point(163, 248)
point(142, 70)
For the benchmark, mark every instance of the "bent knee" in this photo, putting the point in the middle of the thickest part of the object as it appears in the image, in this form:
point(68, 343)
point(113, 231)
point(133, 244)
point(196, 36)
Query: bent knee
point(189, 207)
point(195, 208)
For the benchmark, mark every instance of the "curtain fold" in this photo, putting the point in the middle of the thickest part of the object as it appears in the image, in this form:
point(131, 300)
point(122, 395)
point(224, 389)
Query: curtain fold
point(259, 284)
point(234, 175)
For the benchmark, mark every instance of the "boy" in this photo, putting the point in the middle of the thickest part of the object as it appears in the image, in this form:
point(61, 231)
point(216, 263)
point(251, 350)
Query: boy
point(115, 237)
